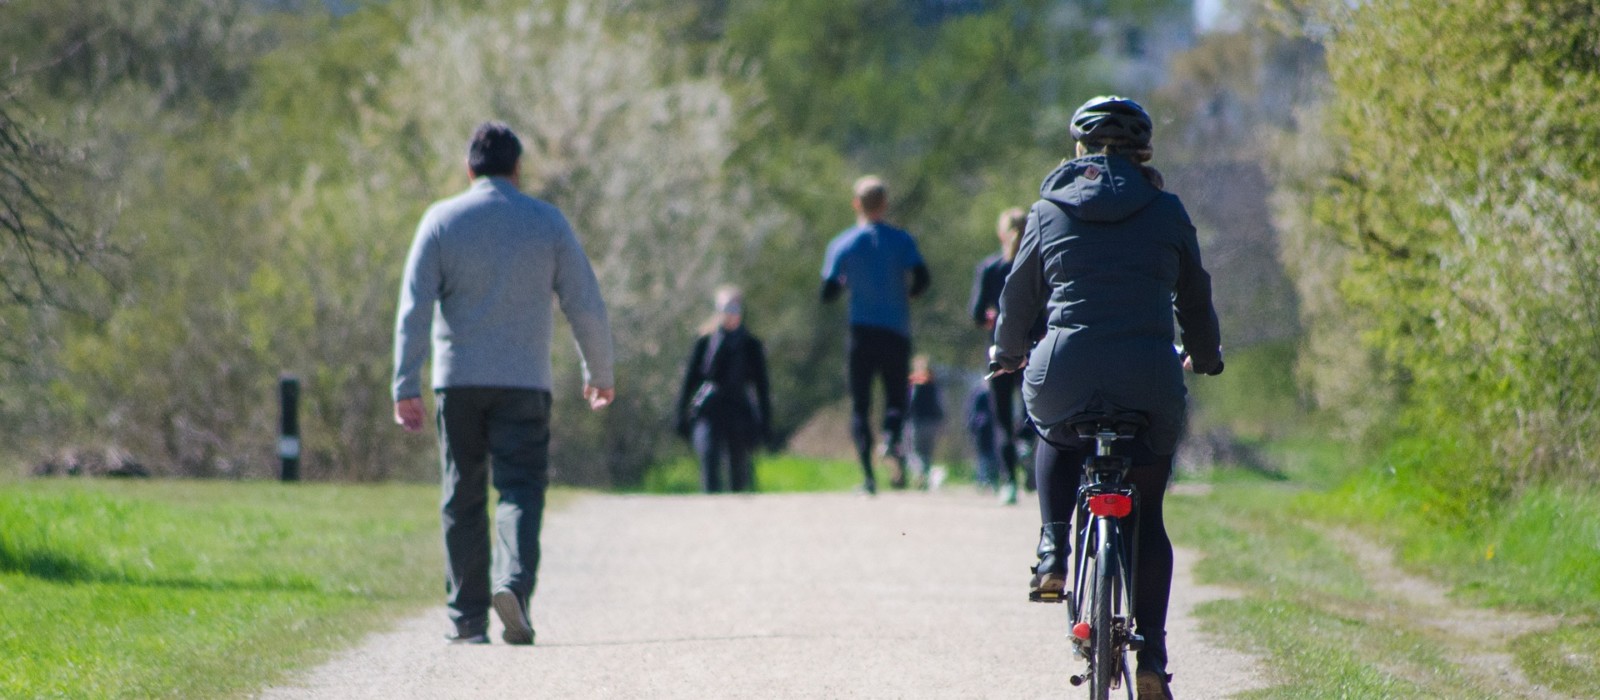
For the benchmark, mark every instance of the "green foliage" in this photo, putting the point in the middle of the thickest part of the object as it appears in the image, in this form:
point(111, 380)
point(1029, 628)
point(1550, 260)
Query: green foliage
point(264, 165)
point(198, 589)
point(1255, 397)
point(949, 113)
point(1454, 223)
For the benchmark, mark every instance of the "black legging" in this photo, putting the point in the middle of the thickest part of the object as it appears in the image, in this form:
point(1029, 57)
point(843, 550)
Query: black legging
point(877, 352)
point(1059, 472)
point(1002, 397)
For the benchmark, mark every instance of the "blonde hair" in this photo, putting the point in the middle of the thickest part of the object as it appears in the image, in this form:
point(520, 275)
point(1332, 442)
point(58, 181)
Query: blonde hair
point(1009, 229)
point(719, 298)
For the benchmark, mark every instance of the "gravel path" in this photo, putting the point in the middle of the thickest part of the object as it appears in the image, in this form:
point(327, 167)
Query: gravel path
point(906, 595)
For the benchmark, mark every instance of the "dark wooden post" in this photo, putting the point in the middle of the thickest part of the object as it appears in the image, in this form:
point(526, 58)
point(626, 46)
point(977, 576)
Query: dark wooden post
point(289, 426)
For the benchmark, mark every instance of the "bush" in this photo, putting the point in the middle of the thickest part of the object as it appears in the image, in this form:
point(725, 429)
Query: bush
point(1450, 231)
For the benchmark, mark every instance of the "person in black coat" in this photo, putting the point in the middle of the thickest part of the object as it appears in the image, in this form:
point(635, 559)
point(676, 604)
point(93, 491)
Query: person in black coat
point(984, 308)
point(724, 408)
point(1113, 258)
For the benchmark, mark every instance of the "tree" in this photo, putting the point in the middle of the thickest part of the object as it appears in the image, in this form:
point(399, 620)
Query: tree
point(1458, 193)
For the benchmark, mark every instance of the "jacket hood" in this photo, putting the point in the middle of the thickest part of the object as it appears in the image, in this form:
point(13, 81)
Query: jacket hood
point(1100, 188)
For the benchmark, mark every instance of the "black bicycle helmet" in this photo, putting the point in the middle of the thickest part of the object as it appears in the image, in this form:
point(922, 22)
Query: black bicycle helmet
point(1111, 120)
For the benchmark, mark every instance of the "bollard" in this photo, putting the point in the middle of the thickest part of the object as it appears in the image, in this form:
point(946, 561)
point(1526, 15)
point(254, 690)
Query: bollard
point(289, 426)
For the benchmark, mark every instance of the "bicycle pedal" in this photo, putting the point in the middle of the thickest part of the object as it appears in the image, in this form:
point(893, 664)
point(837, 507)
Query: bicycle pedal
point(1047, 597)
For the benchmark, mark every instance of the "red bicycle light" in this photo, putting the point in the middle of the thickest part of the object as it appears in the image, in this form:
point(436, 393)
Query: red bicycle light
point(1081, 631)
point(1114, 505)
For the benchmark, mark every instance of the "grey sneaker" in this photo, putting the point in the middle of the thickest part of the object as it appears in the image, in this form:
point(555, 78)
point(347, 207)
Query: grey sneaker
point(1008, 494)
point(509, 607)
point(467, 638)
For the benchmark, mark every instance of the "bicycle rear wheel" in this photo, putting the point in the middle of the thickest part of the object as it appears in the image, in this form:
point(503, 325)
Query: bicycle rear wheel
point(1103, 664)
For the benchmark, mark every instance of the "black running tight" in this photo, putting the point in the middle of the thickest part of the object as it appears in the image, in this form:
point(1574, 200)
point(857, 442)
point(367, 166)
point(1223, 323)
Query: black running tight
point(1002, 395)
point(877, 353)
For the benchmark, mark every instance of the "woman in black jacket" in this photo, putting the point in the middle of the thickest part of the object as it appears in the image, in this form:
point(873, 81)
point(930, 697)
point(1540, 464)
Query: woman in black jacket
point(1112, 257)
point(984, 308)
point(724, 408)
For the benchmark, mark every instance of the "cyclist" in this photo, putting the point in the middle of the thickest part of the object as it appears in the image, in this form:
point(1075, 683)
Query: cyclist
point(883, 270)
point(1111, 256)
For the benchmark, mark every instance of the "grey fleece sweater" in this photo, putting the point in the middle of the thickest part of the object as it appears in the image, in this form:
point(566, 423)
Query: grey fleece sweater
point(491, 259)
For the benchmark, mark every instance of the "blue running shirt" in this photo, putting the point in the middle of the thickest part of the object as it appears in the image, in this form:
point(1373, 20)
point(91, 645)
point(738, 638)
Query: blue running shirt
point(873, 260)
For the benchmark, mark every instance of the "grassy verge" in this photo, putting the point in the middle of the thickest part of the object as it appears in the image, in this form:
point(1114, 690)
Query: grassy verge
point(1536, 552)
point(774, 474)
point(199, 589)
point(1308, 609)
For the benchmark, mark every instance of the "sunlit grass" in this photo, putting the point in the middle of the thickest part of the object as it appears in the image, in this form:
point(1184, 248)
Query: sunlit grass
point(1308, 610)
point(1567, 658)
point(774, 474)
point(199, 589)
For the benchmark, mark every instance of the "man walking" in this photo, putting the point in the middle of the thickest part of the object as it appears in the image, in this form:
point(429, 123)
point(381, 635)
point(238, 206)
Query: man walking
point(491, 260)
point(883, 269)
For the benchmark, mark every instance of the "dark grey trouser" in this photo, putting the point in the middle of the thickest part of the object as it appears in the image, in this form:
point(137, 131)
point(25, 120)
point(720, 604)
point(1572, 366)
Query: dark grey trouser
point(503, 433)
point(715, 439)
point(924, 436)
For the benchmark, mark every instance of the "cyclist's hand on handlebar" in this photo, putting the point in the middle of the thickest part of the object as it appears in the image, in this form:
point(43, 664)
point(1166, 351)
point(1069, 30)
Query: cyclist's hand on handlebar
point(597, 397)
point(1004, 364)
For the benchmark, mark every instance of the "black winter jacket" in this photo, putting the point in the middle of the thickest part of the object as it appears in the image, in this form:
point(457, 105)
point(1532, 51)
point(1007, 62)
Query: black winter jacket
point(1111, 257)
point(737, 370)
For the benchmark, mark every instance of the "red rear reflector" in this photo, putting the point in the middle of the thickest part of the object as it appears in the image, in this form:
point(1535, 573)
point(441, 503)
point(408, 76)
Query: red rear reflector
point(1114, 505)
point(1081, 630)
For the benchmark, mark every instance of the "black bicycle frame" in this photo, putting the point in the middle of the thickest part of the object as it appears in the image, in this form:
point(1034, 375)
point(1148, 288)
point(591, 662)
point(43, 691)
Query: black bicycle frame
point(1105, 474)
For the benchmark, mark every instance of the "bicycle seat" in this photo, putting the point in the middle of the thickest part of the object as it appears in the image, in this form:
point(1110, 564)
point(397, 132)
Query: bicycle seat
point(1125, 424)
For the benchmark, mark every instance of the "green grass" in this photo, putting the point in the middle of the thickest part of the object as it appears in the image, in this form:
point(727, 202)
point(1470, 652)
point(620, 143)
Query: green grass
point(199, 589)
point(774, 474)
point(1538, 551)
point(1307, 608)
point(1568, 658)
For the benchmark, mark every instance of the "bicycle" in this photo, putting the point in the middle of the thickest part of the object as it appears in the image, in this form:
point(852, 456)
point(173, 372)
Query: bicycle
point(1100, 601)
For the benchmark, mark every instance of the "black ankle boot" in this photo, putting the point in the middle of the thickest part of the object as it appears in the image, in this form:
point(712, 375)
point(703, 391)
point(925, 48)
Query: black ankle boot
point(1050, 573)
point(1152, 681)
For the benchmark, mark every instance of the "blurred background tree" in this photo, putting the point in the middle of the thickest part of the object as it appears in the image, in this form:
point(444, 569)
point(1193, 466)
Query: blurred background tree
point(265, 162)
point(1400, 245)
point(1445, 192)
